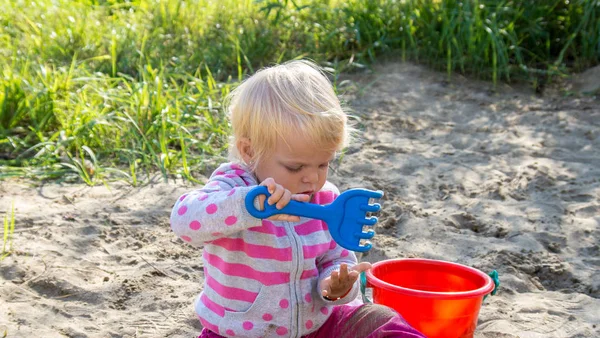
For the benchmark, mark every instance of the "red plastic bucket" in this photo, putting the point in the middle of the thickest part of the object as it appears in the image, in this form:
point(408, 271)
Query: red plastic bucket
point(438, 298)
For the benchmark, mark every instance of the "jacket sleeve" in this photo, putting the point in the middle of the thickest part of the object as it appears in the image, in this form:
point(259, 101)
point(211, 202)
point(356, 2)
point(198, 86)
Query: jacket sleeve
point(216, 210)
point(333, 259)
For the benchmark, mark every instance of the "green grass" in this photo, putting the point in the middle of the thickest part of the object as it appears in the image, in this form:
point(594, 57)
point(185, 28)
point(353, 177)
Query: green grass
point(9, 230)
point(102, 90)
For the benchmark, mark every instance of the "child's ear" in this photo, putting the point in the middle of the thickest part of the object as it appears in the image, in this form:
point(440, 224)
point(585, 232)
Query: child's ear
point(244, 146)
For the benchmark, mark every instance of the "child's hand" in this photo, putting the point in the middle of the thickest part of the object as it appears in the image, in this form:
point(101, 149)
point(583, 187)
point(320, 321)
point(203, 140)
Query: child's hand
point(280, 196)
point(340, 283)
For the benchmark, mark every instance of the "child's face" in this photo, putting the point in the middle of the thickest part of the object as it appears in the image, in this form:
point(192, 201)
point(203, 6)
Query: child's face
point(299, 168)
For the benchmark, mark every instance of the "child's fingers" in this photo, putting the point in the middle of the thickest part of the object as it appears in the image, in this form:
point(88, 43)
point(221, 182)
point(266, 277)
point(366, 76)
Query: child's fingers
point(335, 279)
point(276, 195)
point(270, 184)
point(286, 218)
point(340, 282)
point(362, 266)
point(327, 287)
point(284, 200)
point(343, 272)
point(271, 187)
point(261, 202)
point(349, 279)
point(301, 197)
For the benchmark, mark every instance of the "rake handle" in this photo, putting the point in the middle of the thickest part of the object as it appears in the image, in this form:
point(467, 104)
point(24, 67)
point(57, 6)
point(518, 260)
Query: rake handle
point(295, 208)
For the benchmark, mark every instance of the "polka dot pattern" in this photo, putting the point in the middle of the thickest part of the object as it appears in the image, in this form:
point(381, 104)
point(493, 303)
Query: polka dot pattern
point(195, 225)
point(248, 325)
point(231, 220)
point(211, 208)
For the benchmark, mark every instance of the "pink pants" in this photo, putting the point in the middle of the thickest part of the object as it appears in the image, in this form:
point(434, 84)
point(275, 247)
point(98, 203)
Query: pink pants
point(364, 321)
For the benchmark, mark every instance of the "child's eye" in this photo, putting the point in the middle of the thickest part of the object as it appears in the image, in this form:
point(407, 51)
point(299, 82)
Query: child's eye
point(324, 165)
point(294, 170)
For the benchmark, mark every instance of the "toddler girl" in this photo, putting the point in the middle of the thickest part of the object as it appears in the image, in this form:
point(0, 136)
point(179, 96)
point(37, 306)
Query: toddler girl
point(283, 276)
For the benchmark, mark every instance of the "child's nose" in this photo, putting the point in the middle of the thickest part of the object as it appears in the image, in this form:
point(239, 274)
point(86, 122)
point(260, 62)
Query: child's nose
point(311, 177)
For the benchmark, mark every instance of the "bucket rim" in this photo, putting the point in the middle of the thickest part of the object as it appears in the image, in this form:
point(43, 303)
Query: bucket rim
point(487, 288)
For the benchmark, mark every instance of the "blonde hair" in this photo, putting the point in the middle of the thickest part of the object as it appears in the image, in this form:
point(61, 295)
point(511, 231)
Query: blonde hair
point(294, 99)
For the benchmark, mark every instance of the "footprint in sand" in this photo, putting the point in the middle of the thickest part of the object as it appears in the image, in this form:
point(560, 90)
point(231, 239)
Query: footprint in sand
point(588, 211)
point(58, 288)
point(468, 221)
point(546, 271)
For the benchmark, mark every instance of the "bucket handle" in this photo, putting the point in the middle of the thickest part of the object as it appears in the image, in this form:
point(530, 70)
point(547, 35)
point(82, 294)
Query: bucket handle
point(363, 285)
point(496, 279)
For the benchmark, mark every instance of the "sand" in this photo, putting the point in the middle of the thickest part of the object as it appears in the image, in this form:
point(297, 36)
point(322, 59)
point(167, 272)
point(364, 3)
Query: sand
point(503, 180)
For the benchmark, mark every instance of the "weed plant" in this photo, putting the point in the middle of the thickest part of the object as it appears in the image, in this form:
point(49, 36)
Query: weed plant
point(104, 89)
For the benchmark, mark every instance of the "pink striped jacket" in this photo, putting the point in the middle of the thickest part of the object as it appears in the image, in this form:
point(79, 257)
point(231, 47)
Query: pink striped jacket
point(260, 277)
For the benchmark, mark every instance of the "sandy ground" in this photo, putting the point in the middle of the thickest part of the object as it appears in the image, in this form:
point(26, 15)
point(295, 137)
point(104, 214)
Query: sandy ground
point(495, 180)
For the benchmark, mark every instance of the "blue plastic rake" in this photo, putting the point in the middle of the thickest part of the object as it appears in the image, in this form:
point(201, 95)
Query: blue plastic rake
point(345, 217)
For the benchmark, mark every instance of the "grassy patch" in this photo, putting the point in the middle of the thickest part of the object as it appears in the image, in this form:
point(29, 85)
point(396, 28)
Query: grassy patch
point(93, 90)
point(9, 230)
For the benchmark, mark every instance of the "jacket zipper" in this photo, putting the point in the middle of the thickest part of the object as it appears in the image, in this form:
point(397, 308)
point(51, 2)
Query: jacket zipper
point(296, 261)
